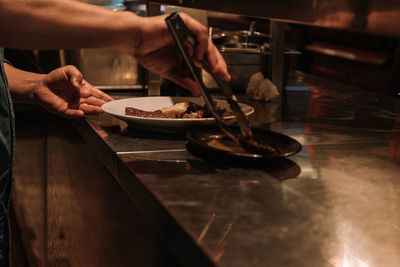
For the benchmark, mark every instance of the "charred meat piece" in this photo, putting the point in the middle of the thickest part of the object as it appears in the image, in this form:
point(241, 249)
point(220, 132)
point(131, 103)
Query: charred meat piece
point(253, 146)
point(141, 113)
point(196, 111)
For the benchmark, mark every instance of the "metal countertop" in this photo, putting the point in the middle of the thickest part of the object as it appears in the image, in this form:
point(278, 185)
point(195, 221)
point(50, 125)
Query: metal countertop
point(336, 203)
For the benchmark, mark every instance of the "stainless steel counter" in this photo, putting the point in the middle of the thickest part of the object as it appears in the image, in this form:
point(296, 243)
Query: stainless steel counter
point(336, 203)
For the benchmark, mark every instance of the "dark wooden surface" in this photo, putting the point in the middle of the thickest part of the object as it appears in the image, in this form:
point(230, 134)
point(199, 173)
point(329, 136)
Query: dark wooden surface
point(18, 251)
point(28, 191)
point(70, 211)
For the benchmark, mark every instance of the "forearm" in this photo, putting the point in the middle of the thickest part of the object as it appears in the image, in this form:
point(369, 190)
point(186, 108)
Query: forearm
point(21, 83)
point(52, 24)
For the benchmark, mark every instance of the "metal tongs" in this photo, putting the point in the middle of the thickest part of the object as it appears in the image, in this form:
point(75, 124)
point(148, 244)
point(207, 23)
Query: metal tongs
point(182, 35)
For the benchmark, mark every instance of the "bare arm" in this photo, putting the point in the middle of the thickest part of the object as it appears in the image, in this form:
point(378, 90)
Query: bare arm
point(62, 91)
point(22, 83)
point(49, 24)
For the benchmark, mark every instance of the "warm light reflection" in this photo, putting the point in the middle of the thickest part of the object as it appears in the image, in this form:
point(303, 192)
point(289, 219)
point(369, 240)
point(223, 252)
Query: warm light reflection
point(206, 228)
point(394, 146)
point(346, 258)
point(384, 22)
point(339, 19)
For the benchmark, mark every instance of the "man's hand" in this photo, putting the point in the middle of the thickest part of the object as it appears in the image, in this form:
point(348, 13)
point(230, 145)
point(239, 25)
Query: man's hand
point(64, 92)
point(155, 49)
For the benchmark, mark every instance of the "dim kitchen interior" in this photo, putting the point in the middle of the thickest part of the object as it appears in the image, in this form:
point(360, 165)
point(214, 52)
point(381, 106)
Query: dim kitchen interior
point(319, 80)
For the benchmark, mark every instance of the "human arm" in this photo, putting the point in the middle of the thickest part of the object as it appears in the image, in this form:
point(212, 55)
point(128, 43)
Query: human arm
point(53, 24)
point(62, 91)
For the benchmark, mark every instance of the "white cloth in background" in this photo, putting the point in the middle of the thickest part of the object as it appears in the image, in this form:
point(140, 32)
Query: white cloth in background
point(260, 88)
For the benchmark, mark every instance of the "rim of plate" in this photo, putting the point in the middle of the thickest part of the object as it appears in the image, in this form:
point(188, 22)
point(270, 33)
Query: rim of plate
point(105, 108)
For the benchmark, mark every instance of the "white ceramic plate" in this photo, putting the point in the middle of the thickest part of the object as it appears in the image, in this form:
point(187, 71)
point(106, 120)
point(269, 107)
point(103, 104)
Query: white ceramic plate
point(151, 103)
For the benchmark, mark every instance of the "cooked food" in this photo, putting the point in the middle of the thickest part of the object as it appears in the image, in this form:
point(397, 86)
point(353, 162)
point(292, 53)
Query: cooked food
point(175, 110)
point(141, 113)
point(179, 110)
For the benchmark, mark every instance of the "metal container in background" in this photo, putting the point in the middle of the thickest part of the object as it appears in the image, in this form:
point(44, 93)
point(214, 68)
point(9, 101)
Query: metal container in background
point(246, 53)
point(105, 68)
point(242, 36)
point(243, 60)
